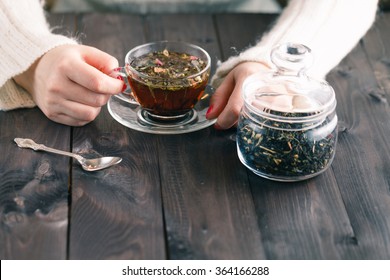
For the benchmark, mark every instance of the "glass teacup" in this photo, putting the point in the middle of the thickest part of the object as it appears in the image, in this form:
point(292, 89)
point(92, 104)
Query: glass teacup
point(167, 78)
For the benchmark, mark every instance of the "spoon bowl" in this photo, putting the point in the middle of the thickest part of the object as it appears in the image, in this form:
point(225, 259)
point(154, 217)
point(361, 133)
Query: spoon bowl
point(92, 164)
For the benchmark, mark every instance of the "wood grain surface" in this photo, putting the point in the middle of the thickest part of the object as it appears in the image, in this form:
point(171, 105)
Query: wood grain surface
point(188, 196)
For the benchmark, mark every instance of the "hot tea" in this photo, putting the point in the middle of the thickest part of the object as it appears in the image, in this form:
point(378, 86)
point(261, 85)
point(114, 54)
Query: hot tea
point(167, 82)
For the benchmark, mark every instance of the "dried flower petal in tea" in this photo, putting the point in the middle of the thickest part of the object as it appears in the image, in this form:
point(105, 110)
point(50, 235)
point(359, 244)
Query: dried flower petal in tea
point(168, 65)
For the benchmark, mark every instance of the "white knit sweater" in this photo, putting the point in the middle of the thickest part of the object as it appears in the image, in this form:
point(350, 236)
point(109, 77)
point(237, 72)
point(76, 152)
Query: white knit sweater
point(331, 28)
point(24, 37)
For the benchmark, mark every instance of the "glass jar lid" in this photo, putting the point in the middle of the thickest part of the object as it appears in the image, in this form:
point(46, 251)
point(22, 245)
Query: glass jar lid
point(288, 89)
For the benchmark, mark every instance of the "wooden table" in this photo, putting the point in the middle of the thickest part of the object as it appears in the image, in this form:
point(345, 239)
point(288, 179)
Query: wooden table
point(188, 196)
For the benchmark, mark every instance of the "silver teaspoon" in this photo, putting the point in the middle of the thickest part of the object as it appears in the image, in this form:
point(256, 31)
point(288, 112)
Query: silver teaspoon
point(87, 164)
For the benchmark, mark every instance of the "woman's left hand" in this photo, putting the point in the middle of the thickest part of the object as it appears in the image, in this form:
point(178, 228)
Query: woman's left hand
point(226, 103)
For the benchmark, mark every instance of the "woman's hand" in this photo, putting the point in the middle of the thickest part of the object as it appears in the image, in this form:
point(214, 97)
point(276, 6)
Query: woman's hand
point(226, 103)
point(70, 83)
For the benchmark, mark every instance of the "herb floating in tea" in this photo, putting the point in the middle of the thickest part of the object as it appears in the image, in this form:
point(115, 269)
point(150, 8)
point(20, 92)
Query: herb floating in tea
point(285, 149)
point(168, 65)
point(169, 82)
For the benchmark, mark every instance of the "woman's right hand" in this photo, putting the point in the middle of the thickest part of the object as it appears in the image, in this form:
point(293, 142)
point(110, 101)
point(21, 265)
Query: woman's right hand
point(70, 83)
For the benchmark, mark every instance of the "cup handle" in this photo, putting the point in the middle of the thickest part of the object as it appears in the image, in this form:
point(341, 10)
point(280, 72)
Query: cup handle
point(126, 95)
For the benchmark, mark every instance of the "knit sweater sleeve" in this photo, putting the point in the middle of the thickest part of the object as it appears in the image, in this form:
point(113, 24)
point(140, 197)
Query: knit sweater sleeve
point(331, 28)
point(25, 36)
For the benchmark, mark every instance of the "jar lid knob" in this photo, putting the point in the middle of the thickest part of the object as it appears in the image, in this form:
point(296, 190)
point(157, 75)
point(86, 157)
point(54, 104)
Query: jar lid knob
point(292, 58)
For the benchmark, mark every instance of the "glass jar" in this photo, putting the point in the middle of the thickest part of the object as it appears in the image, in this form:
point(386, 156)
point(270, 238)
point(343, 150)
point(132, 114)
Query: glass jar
point(287, 129)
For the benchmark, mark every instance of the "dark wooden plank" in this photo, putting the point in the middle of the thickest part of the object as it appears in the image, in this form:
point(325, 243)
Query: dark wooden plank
point(235, 37)
point(362, 163)
point(33, 185)
point(116, 213)
point(303, 220)
point(208, 209)
point(377, 46)
point(113, 33)
point(33, 188)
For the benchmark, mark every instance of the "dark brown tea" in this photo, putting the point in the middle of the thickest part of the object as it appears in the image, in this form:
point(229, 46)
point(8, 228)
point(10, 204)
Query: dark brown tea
point(167, 83)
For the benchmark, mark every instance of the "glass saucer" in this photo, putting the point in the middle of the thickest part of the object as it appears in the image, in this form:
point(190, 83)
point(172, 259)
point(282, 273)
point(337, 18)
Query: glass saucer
point(128, 113)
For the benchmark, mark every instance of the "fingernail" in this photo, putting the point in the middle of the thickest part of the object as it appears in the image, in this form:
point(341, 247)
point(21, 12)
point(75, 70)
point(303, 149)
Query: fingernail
point(120, 78)
point(217, 127)
point(124, 87)
point(209, 110)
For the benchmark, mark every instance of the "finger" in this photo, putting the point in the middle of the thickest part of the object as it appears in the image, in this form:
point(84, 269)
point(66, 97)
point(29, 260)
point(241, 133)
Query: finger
point(92, 78)
point(102, 61)
point(84, 95)
point(68, 120)
point(96, 81)
point(77, 112)
point(229, 115)
point(220, 98)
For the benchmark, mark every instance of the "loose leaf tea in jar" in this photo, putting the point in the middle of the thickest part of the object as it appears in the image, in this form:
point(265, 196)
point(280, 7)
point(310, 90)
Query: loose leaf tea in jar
point(287, 130)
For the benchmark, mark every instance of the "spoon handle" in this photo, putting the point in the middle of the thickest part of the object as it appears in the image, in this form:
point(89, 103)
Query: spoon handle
point(28, 143)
